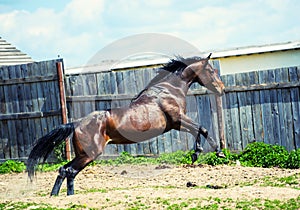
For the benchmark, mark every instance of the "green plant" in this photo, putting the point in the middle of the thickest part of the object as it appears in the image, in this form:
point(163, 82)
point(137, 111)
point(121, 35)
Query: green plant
point(178, 157)
point(292, 181)
point(293, 160)
point(259, 154)
point(213, 159)
point(256, 154)
point(10, 166)
point(59, 152)
point(51, 166)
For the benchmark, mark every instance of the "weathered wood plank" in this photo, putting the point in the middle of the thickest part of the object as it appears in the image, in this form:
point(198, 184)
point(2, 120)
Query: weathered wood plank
point(12, 96)
point(29, 115)
point(266, 109)
point(26, 137)
point(205, 119)
point(227, 115)
point(295, 100)
point(274, 110)
point(27, 124)
point(25, 80)
point(245, 112)
point(2, 95)
point(19, 140)
point(45, 92)
point(8, 101)
point(214, 119)
point(256, 108)
point(4, 135)
point(233, 122)
point(263, 86)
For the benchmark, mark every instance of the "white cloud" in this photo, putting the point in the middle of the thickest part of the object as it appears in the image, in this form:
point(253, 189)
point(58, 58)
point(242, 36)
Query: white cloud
point(83, 11)
point(82, 27)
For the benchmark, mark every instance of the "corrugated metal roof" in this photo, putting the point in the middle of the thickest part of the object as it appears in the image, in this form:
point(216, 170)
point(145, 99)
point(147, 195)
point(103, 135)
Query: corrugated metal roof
point(10, 55)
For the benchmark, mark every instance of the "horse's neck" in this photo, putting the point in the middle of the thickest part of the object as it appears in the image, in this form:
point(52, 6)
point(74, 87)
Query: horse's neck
point(170, 85)
point(188, 76)
point(173, 83)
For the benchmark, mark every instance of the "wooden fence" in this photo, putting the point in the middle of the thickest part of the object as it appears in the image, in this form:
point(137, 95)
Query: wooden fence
point(260, 105)
point(29, 106)
point(263, 105)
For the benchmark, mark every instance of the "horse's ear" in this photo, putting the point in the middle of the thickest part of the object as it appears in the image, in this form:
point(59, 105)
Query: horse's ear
point(208, 57)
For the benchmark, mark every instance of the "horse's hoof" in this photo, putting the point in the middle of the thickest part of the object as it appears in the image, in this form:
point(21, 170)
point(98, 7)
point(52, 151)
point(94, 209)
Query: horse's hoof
point(194, 158)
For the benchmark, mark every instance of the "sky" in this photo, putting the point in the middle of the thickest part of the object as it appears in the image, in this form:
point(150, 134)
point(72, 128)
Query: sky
point(77, 29)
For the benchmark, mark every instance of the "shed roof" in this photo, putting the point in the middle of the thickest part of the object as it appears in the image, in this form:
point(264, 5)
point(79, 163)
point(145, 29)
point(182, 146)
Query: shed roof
point(156, 60)
point(257, 49)
point(10, 55)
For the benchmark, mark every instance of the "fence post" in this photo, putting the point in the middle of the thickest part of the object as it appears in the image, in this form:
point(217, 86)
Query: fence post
point(63, 104)
point(220, 122)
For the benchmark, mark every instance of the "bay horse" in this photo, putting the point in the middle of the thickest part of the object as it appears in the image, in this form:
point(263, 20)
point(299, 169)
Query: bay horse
point(157, 109)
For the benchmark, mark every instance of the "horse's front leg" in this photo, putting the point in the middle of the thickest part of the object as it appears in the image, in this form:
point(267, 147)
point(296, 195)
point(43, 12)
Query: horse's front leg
point(196, 130)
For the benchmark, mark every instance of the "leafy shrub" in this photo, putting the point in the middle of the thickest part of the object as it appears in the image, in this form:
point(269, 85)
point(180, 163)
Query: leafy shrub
point(293, 160)
point(126, 158)
point(51, 166)
point(213, 159)
point(60, 153)
point(259, 154)
point(178, 157)
point(256, 154)
point(10, 166)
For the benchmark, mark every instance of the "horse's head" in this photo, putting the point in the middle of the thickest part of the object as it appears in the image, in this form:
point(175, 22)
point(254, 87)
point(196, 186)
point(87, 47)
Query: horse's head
point(207, 76)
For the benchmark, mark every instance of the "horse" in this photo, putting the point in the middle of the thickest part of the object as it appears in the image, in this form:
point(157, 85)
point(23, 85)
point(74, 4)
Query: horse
point(158, 108)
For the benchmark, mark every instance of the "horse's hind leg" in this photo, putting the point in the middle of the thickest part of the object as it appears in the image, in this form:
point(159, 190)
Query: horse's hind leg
point(63, 172)
point(69, 171)
point(59, 180)
point(73, 169)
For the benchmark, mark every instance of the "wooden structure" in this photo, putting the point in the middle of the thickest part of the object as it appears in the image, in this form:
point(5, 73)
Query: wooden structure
point(29, 106)
point(10, 55)
point(263, 106)
point(258, 105)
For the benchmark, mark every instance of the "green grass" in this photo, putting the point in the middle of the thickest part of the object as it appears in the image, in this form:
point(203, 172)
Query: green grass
point(141, 202)
point(24, 205)
point(290, 181)
point(256, 154)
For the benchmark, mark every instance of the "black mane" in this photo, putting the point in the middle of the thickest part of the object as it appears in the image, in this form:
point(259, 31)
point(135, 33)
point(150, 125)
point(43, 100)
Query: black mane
point(180, 63)
point(176, 65)
point(173, 66)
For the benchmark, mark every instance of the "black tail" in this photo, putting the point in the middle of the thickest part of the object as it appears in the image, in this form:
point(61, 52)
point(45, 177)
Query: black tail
point(46, 144)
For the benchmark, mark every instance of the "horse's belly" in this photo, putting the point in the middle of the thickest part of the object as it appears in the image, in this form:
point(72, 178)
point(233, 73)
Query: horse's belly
point(129, 137)
point(138, 125)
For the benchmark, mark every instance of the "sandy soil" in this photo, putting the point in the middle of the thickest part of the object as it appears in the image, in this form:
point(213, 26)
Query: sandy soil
point(121, 187)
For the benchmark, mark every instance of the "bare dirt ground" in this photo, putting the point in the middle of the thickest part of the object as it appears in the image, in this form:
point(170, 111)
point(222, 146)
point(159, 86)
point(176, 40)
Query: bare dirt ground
point(153, 187)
